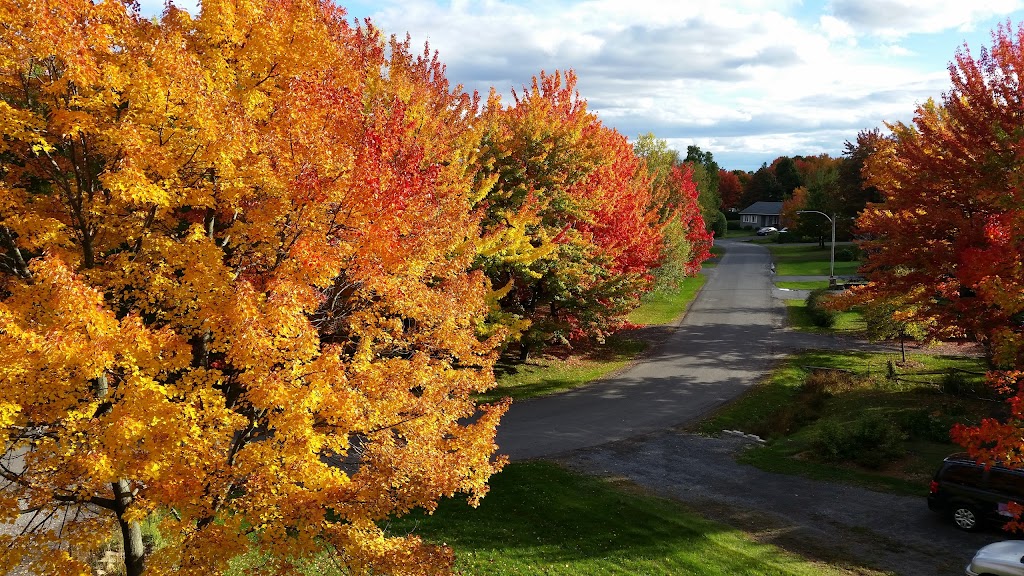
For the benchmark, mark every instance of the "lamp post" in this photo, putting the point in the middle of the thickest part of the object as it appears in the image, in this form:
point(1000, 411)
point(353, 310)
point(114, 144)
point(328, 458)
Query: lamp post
point(832, 257)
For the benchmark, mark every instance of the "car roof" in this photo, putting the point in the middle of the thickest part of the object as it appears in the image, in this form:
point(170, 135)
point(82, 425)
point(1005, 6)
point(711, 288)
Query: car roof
point(965, 458)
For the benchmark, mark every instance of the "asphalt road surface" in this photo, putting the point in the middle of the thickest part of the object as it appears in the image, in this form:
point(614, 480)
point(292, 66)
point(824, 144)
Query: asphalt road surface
point(729, 338)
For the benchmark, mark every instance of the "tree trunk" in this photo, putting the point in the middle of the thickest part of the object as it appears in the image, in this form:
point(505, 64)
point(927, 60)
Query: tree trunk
point(524, 351)
point(131, 532)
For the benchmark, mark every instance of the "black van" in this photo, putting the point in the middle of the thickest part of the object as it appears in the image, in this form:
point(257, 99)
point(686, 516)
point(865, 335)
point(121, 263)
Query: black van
point(972, 495)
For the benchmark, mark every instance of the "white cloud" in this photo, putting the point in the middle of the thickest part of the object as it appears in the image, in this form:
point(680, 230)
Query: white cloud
point(898, 18)
point(837, 30)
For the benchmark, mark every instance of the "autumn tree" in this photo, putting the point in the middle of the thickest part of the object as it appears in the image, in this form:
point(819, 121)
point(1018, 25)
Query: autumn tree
point(676, 195)
point(235, 294)
point(948, 237)
point(658, 158)
point(730, 188)
point(579, 198)
point(789, 214)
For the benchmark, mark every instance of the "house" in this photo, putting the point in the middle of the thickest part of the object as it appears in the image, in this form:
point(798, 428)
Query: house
point(761, 214)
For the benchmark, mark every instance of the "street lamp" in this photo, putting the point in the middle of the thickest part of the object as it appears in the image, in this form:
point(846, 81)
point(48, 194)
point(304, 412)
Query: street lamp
point(832, 258)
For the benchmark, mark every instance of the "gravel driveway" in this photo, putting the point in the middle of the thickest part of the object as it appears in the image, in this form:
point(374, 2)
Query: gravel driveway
point(851, 527)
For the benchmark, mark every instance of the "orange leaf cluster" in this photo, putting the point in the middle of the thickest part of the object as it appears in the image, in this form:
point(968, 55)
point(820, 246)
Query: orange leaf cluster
point(947, 242)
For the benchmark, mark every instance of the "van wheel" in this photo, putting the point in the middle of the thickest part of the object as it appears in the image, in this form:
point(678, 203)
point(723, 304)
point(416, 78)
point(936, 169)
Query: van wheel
point(966, 517)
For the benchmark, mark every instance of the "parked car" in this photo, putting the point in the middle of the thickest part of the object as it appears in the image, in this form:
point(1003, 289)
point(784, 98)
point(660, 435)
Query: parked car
point(999, 559)
point(972, 495)
point(766, 230)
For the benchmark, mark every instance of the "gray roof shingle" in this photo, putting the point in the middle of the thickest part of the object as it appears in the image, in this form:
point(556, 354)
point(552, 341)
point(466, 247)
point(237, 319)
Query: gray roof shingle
point(764, 208)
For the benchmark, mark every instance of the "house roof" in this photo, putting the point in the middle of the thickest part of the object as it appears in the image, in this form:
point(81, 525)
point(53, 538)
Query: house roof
point(764, 208)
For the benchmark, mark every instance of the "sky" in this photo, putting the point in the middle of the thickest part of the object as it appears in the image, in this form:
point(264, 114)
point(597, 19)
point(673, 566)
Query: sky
point(747, 80)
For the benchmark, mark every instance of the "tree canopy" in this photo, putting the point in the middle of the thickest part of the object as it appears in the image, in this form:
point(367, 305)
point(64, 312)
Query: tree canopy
point(947, 241)
point(237, 292)
point(255, 265)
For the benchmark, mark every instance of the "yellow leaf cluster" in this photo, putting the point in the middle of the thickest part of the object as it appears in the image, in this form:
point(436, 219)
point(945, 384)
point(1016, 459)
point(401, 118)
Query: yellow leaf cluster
point(247, 304)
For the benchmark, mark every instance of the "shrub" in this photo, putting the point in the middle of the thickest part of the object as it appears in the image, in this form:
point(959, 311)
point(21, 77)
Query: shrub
point(734, 225)
point(870, 441)
point(719, 225)
point(927, 425)
point(830, 382)
point(786, 420)
point(959, 384)
point(847, 254)
point(820, 315)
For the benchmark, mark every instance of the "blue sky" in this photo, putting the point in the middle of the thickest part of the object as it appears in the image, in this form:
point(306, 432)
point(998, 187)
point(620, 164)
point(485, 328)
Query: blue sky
point(748, 80)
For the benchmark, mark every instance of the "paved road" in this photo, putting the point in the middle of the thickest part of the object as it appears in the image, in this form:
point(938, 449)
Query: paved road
point(723, 345)
point(729, 338)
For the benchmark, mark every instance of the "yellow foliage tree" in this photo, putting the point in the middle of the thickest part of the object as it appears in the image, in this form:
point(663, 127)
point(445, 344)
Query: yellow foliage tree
point(234, 288)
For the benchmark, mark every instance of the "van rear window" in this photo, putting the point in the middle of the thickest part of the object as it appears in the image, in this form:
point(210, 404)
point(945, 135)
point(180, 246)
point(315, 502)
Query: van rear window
point(963, 475)
point(1008, 483)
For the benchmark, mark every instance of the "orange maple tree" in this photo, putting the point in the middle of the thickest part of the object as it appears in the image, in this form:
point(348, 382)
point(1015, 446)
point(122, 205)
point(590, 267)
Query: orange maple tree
point(572, 205)
point(235, 288)
point(948, 239)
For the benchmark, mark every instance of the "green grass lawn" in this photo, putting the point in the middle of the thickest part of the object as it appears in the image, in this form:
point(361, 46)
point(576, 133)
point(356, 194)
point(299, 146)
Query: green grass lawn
point(813, 285)
point(785, 411)
point(797, 317)
point(745, 233)
point(545, 374)
point(540, 519)
point(664, 306)
point(808, 260)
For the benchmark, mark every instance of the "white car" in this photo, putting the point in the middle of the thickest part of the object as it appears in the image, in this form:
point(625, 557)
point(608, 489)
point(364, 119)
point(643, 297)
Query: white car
point(766, 230)
point(999, 559)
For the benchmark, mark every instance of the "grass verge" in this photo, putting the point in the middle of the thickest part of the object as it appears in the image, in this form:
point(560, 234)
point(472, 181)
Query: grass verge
point(797, 317)
point(808, 260)
point(744, 233)
point(550, 374)
point(815, 285)
point(792, 414)
point(540, 519)
point(664, 306)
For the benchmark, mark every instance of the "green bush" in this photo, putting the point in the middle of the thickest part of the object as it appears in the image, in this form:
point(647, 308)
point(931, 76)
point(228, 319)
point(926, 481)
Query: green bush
point(924, 424)
point(959, 384)
point(719, 225)
point(734, 225)
point(870, 441)
point(820, 315)
point(847, 254)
